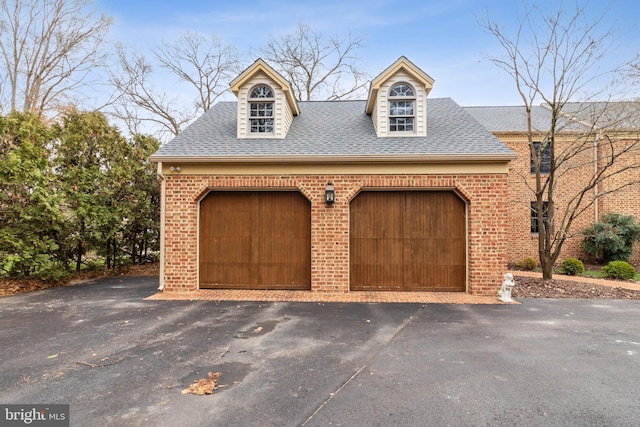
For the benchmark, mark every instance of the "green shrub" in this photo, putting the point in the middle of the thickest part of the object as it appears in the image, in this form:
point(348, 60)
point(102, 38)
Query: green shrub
point(528, 264)
point(572, 266)
point(619, 270)
point(612, 238)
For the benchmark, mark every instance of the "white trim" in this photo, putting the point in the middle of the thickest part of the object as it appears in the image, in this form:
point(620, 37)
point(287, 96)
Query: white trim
point(162, 226)
point(373, 158)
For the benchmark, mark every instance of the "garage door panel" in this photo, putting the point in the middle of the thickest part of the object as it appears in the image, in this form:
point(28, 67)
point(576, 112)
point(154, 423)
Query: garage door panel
point(378, 215)
point(238, 273)
point(378, 277)
point(257, 240)
point(434, 278)
point(428, 251)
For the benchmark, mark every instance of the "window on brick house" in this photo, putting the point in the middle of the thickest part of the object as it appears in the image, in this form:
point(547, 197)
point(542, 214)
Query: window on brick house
point(544, 155)
point(534, 216)
point(261, 116)
point(401, 105)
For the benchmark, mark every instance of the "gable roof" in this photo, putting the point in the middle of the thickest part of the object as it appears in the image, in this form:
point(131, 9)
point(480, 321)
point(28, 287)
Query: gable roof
point(334, 131)
point(401, 63)
point(260, 66)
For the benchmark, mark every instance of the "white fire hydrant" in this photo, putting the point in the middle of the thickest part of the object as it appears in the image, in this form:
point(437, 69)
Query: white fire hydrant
point(505, 290)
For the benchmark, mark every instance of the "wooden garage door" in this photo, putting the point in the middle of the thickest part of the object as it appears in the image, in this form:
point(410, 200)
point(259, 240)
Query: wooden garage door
point(408, 241)
point(255, 240)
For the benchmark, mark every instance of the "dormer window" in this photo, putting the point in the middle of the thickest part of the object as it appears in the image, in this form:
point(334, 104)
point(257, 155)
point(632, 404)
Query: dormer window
point(261, 102)
point(401, 112)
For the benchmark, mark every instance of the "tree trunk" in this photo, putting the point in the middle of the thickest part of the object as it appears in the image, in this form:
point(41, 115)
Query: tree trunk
point(115, 250)
point(547, 268)
point(79, 257)
point(108, 253)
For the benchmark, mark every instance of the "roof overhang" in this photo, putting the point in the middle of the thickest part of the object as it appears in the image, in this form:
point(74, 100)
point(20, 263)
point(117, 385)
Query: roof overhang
point(401, 64)
point(260, 66)
point(400, 158)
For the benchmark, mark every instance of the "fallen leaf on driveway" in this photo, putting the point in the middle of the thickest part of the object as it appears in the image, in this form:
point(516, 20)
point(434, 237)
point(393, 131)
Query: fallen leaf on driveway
point(53, 356)
point(203, 385)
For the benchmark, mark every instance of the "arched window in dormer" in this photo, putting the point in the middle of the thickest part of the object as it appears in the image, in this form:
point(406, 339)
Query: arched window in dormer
point(401, 108)
point(261, 117)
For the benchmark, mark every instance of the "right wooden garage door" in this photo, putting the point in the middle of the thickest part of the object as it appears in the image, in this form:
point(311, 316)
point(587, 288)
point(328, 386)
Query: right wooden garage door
point(408, 241)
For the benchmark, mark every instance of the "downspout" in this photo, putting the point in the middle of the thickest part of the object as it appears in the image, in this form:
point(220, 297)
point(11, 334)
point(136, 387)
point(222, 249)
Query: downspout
point(162, 228)
point(595, 172)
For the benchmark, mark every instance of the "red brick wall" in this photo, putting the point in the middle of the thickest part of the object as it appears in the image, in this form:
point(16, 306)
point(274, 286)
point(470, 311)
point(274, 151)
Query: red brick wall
point(623, 198)
point(485, 195)
point(524, 244)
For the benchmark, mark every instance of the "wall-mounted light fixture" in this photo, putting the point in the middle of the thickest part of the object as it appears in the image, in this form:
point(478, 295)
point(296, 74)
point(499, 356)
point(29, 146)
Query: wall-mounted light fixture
point(329, 194)
point(175, 168)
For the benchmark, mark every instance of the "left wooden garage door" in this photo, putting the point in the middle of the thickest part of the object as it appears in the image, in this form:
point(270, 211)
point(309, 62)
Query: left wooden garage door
point(255, 240)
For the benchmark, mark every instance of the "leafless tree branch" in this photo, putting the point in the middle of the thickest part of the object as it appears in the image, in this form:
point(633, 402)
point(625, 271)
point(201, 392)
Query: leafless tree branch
point(47, 50)
point(318, 66)
point(205, 64)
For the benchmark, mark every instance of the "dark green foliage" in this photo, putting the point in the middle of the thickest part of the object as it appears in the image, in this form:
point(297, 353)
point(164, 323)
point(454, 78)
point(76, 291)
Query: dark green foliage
point(572, 266)
point(111, 187)
point(29, 201)
point(612, 238)
point(619, 270)
point(528, 264)
point(141, 235)
point(75, 188)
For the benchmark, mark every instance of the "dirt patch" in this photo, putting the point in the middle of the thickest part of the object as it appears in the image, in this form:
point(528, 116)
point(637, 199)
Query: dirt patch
point(532, 287)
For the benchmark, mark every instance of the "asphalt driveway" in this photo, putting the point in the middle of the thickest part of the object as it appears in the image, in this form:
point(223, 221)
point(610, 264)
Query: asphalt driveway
point(119, 360)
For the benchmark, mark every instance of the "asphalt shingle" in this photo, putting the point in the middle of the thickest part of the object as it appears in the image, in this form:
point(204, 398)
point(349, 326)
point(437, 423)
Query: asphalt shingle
point(335, 128)
point(514, 119)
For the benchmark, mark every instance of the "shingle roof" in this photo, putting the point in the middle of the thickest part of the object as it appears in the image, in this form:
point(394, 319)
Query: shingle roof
point(335, 129)
point(606, 115)
point(513, 119)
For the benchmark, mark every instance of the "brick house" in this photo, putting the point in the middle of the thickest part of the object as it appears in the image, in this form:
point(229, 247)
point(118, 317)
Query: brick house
point(398, 192)
point(596, 128)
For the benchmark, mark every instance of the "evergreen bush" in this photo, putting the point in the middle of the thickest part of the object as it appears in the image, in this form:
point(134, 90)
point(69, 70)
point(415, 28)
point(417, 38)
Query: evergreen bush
point(619, 270)
point(612, 238)
point(572, 266)
point(528, 264)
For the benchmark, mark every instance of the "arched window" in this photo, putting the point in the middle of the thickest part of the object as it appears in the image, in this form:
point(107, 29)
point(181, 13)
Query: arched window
point(261, 109)
point(401, 102)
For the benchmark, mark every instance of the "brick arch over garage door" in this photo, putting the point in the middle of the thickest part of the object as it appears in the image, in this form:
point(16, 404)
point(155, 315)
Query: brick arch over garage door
point(408, 241)
point(255, 240)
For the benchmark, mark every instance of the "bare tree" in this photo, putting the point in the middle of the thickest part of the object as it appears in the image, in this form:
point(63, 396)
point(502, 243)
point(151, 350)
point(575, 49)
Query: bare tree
point(137, 101)
point(554, 59)
point(205, 64)
point(317, 66)
point(47, 50)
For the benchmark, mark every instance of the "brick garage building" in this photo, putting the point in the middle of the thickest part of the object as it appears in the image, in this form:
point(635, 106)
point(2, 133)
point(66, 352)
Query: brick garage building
point(421, 192)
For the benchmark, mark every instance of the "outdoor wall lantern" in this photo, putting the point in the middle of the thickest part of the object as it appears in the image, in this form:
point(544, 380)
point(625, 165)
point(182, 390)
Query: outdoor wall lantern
point(329, 194)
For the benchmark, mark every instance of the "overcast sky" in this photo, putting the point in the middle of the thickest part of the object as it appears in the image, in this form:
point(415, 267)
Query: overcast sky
point(440, 36)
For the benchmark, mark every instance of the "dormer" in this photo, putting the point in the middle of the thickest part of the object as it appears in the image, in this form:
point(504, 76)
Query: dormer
point(397, 101)
point(266, 105)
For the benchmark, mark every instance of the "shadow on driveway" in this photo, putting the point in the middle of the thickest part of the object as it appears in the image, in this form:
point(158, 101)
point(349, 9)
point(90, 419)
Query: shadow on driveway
point(122, 361)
